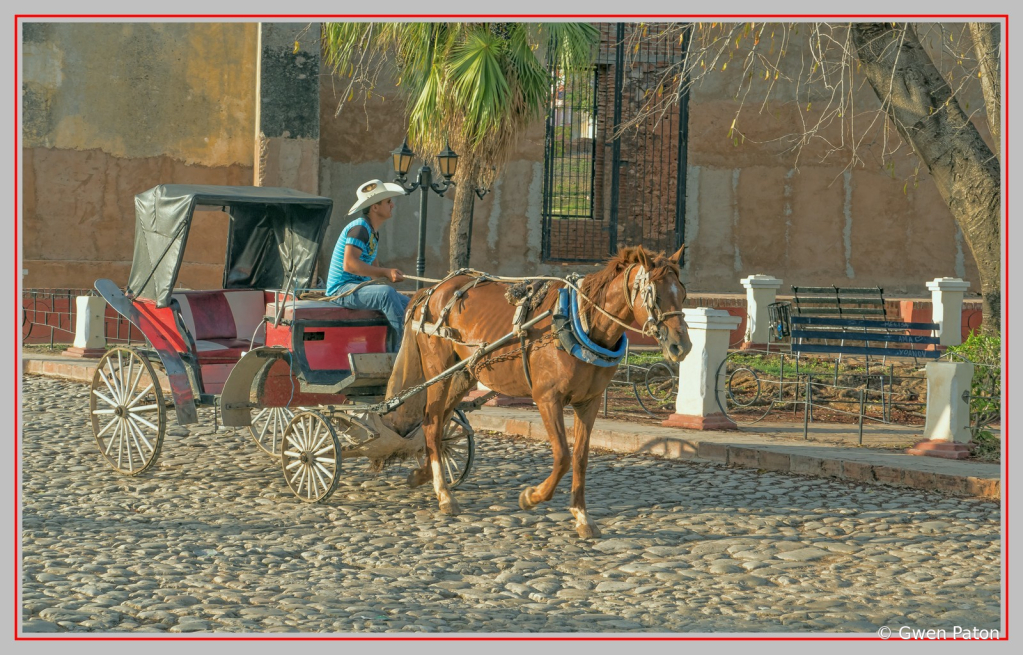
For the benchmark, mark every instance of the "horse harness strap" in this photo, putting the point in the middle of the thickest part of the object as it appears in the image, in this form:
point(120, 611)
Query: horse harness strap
point(437, 328)
point(476, 360)
point(518, 318)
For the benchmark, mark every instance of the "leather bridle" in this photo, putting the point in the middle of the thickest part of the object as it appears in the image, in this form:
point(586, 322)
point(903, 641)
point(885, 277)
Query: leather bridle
point(642, 287)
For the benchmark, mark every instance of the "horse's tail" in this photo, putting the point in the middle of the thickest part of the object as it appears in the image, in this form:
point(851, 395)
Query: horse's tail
point(407, 373)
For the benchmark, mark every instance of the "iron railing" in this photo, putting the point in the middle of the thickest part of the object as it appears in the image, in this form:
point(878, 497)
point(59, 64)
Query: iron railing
point(614, 177)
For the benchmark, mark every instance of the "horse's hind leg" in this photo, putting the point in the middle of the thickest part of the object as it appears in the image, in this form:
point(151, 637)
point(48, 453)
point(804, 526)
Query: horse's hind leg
point(457, 389)
point(552, 413)
point(437, 414)
point(585, 415)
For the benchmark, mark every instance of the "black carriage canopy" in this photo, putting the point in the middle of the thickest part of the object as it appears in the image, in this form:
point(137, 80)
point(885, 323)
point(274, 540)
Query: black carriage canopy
point(273, 238)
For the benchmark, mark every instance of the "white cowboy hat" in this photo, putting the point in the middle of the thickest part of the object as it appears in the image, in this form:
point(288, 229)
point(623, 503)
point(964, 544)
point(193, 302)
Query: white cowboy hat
point(373, 192)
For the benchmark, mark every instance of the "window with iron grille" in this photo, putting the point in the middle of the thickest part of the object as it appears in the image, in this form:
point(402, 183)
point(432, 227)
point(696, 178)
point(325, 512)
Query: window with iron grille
point(605, 187)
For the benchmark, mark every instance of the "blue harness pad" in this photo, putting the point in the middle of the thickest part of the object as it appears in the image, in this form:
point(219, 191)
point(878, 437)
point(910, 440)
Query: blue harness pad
point(585, 349)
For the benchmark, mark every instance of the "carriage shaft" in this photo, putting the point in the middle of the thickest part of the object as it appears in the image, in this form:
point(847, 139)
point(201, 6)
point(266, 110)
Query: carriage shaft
point(393, 404)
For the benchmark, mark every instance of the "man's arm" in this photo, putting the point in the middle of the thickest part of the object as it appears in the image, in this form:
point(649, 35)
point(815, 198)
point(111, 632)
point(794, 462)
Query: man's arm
point(354, 265)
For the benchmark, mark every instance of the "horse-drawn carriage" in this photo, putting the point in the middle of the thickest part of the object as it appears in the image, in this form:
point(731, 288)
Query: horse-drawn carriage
point(254, 350)
point(309, 378)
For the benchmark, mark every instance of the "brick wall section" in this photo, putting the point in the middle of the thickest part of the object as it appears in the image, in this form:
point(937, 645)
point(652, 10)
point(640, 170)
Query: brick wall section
point(648, 170)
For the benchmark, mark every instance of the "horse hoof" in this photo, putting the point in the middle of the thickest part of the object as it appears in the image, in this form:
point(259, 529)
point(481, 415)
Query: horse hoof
point(416, 478)
point(524, 503)
point(449, 507)
point(587, 530)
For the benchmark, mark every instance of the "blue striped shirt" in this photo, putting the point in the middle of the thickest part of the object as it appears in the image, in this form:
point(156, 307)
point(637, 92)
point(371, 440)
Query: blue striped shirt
point(358, 233)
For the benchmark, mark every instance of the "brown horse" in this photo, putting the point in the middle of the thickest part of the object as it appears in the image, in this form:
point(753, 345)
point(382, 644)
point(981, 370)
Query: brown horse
point(635, 285)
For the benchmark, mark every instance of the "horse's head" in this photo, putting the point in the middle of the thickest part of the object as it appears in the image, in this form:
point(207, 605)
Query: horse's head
point(655, 295)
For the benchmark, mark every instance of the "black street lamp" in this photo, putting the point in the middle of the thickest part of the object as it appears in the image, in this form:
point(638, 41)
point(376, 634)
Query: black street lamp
point(448, 162)
point(480, 192)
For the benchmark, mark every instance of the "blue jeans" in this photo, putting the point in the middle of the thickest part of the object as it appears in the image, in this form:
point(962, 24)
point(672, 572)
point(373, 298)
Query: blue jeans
point(382, 298)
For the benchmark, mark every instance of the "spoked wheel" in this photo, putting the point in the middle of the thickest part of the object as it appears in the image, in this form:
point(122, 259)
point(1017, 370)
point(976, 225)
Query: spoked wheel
point(748, 387)
point(661, 384)
point(268, 426)
point(457, 450)
point(128, 415)
point(311, 456)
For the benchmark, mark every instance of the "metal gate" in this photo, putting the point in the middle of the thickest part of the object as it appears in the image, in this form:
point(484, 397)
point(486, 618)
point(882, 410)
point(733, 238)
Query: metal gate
point(604, 190)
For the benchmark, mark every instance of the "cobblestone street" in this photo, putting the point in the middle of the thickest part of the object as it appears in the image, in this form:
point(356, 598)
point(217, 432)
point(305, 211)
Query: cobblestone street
point(212, 540)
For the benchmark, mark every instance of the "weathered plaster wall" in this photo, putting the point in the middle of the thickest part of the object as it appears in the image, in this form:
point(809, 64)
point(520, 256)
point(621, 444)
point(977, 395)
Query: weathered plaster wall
point(762, 207)
point(112, 109)
point(751, 208)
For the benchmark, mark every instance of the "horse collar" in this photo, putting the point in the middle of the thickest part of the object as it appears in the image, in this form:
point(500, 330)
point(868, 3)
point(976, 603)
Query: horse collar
point(572, 338)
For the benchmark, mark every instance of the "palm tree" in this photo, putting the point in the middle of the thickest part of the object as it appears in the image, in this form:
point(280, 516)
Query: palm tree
point(475, 86)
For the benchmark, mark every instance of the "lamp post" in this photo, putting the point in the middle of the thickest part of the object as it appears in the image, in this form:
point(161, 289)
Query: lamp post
point(448, 162)
point(480, 192)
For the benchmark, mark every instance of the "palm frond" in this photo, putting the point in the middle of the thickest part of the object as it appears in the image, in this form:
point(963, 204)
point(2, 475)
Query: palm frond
point(574, 44)
point(478, 83)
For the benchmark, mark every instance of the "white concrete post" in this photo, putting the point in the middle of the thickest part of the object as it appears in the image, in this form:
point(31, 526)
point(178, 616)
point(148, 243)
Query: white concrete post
point(947, 429)
point(90, 327)
point(948, 414)
point(761, 291)
point(947, 308)
point(696, 406)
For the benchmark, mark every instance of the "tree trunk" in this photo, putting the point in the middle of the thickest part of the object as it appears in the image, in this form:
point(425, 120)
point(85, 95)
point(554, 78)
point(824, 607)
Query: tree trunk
point(918, 101)
point(458, 252)
point(985, 45)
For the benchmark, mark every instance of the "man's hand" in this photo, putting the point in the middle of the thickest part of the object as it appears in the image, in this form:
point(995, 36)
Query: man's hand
point(395, 275)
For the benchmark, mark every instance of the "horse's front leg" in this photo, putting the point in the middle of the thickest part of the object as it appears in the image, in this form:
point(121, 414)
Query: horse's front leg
point(552, 413)
point(585, 415)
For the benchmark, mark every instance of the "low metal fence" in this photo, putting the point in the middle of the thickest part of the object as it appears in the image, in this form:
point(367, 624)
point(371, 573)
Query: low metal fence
point(48, 317)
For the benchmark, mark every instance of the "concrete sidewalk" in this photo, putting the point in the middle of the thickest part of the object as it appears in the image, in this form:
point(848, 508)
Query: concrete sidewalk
point(832, 451)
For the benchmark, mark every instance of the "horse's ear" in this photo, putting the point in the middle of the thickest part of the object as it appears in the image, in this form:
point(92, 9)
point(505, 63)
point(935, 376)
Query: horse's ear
point(677, 257)
point(644, 257)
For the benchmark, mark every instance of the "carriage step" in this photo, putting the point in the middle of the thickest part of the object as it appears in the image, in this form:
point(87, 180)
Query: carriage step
point(372, 366)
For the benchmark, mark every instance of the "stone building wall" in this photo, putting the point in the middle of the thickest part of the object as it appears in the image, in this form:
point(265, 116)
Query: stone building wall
point(753, 207)
point(112, 109)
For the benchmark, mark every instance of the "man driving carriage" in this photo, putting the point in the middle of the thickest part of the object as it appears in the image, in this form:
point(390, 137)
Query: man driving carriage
point(354, 259)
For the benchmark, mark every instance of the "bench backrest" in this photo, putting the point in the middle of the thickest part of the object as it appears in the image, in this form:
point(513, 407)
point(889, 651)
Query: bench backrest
point(851, 321)
point(222, 313)
point(838, 301)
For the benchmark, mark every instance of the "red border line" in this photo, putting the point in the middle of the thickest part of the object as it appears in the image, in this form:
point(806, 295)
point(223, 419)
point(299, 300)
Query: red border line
point(17, 337)
point(1005, 330)
point(448, 16)
point(78, 637)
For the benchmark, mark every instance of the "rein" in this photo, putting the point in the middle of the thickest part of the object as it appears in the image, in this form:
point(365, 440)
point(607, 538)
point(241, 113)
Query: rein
point(650, 295)
point(654, 315)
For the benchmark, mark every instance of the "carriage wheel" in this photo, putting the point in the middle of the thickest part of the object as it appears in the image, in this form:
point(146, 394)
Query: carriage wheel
point(748, 386)
point(457, 450)
point(661, 383)
point(268, 427)
point(311, 456)
point(128, 415)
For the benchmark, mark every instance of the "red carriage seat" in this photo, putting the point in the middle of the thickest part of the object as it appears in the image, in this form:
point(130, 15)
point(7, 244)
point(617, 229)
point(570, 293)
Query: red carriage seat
point(322, 310)
point(222, 322)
